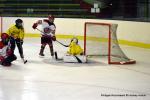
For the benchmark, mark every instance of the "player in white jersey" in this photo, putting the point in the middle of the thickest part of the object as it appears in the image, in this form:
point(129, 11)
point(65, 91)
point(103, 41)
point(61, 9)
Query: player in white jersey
point(47, 32)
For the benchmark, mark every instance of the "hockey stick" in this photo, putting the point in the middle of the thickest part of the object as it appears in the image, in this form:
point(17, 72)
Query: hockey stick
point(56, 40)
point(39, 30)
point(62, 43)
point(79, 61)
point(21, 48)
point(56, 56)
point(24, 61)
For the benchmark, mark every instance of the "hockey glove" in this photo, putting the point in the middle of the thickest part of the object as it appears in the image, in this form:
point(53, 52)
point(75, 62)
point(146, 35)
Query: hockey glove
point(34, 25)
point(53, 38)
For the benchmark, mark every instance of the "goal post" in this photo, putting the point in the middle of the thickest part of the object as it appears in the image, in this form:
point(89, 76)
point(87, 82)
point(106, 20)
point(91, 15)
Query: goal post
point(100, 40)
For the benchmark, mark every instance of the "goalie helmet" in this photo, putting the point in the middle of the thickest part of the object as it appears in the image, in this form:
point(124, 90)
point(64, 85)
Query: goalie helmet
point(5, 38)
point(74, 39)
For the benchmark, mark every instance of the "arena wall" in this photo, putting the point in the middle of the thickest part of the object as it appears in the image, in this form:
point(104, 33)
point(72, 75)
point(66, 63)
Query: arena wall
point(128, 32)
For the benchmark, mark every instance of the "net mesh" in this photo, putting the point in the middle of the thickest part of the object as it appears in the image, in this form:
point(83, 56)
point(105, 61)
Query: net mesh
point(101, 40)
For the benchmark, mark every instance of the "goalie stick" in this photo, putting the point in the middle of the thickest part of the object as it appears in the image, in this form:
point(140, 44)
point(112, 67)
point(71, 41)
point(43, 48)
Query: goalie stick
point(79, 61)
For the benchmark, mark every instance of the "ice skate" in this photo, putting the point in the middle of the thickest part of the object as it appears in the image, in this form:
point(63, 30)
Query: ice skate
point(41, 52)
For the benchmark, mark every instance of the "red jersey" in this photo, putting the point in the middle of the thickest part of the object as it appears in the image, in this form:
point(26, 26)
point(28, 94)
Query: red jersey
point(5, 51)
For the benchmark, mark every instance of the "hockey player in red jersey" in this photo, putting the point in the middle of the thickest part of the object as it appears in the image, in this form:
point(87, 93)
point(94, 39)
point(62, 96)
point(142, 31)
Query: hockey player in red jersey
point(47, 32)
point(6, 54)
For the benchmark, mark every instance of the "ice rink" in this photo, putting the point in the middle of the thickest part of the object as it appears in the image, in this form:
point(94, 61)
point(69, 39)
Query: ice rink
point(47, 79)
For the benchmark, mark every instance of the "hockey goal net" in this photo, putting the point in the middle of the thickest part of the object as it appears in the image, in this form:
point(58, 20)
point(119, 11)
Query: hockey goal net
point(100, 40)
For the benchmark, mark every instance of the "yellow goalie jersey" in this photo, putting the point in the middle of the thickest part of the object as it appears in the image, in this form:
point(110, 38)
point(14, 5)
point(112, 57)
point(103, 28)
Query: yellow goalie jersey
point(75, 49)
point(15, 32)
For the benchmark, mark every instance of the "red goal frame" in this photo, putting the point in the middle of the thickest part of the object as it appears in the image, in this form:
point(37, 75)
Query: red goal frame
point(109, 43)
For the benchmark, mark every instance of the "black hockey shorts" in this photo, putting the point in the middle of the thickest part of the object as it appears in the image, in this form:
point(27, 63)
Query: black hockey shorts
point(46, 40)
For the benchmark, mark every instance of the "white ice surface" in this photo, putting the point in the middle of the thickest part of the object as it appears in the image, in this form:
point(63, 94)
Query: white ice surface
point(47, 79)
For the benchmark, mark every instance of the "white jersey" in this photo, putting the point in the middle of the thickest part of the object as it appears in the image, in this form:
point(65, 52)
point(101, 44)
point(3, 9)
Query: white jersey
point(47, 28)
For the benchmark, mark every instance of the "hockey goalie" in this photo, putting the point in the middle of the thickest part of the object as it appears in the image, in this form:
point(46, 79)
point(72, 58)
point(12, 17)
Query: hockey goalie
point(75, 53)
